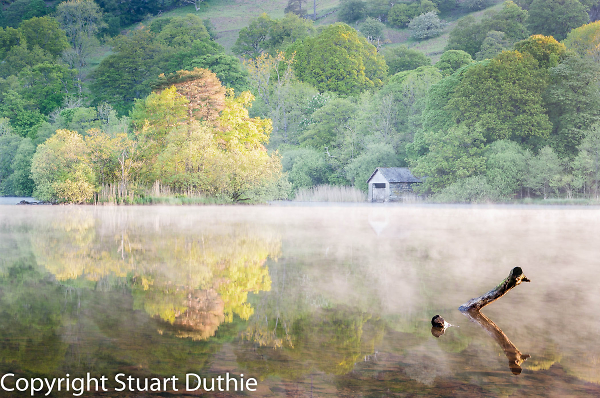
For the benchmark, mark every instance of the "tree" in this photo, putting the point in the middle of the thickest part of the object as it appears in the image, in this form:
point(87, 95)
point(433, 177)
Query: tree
point(48, 84)
point(375, 155)
point(573, 102)
point(339, 60)
point(586, 166)
point(492, 45)
point(81, 20)
point(503, 98)
point(251, 40)
point(544, 171)
point(352, 10)
point(403, 58)
point(45, 33)
point(409, 92)
point(9, 144)
point(21, 181)
point(295, 7)
point(453, 60)
point(61, 171)
point(127, 73)
point(426, 26)
point(378, 9)
point(271, 36)
point(468, 35)
point(556, 17)
point(21, 10)
point(506, 167)
point(329, 124)
point(426, 6)
point(182, 32)
point(272, 78)
point(306, 167)
point(545, 49)
point(451, 156)
point(204, 93)
point(474, 5)
point(401, 14)
point(585, 40)
point(372, 29)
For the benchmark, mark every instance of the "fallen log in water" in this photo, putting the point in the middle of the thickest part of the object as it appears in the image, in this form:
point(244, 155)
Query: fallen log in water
point(515, 278)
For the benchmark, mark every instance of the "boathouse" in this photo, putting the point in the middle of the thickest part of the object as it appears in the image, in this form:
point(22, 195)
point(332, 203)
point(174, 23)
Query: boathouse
point(391, 184)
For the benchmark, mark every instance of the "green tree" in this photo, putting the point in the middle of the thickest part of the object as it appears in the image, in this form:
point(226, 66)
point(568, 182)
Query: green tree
point(409, 90)
point(21, 180)
point(128, 72)
point(45, 33)
point(295, 7)
point(474, 5)
point(61, 171)
point(329, 124)
point(372, 28)
point(492, 45)
point(503, 98)
point(451, 156)
point(426, 26)
point(403, 58)
point(506, 167)
point(453, 60)
point(306, 167)
point(573, 102)
point(352, 10)
point(468, 35)
point(339, 60)
point(545, 49)
point(9, 144)
point(401, 14)
point(586, 166)
point(556, 17)
point(48, 84)
point(544, 170)
point(426, 6)
point(251, 40)
point(182, 32)
point(21, 10)
point(81, 20)
point(24, 117)
point(375, 155)
point(378, 9)
point(585, 40)
point(271, 36)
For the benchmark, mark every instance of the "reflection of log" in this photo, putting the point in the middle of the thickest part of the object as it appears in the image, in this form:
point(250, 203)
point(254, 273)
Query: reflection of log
point(515, 357)
point(515, 278)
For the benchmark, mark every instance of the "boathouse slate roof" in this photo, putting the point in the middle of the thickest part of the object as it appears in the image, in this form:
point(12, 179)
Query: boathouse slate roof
point(396, 174)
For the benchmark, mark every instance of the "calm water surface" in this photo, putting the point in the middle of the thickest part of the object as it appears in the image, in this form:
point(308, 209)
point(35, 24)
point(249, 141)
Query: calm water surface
point(310, 301)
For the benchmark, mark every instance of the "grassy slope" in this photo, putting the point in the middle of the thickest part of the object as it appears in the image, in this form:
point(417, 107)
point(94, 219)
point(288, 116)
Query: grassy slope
point(229, 16)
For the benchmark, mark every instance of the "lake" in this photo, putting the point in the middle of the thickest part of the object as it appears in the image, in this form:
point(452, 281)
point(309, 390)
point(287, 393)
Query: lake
point(310, 301)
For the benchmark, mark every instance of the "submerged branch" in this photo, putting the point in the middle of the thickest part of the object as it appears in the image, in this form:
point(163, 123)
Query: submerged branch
point(515, 278)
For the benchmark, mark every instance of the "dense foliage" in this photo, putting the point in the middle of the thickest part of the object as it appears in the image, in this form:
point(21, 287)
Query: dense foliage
point(505, 111)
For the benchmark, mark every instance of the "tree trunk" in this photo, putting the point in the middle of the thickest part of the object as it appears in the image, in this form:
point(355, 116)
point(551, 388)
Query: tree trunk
point(515, 278)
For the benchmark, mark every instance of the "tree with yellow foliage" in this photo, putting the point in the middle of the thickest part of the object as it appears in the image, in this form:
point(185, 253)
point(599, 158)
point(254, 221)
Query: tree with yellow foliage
point(61, 171)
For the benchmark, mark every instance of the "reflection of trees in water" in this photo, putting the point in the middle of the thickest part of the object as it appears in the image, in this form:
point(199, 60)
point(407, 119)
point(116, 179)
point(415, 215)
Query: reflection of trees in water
point(165, 269)
point(32, 310)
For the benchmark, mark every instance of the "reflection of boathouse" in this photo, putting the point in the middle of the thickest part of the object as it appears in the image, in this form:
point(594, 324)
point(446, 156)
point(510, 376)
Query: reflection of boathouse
point(391, 184)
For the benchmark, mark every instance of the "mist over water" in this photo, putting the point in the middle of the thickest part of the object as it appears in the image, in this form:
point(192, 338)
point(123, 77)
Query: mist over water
point(322, 300)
